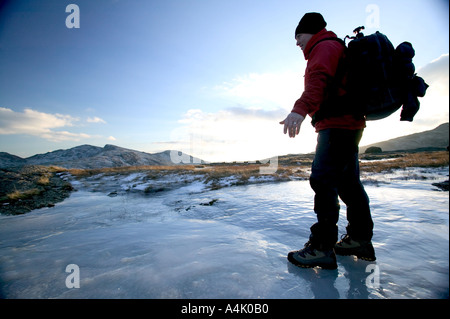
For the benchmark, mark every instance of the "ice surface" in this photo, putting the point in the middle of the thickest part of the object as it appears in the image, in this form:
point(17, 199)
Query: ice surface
point(191, 242)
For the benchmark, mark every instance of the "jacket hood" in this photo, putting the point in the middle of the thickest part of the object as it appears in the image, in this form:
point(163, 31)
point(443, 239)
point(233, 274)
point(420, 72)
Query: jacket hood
point(323, 34)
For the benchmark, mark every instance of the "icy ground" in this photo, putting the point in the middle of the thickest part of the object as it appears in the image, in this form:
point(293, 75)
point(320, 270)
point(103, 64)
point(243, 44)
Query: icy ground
point(192, 242)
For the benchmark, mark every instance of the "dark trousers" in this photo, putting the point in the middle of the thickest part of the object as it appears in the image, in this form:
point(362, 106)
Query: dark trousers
point(335, 173)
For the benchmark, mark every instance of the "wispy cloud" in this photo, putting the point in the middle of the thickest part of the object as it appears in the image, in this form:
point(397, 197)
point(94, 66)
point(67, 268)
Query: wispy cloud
point(95, 119)
point(44, 125)
point(271, 89)
point(436, 73)
point(256, 114)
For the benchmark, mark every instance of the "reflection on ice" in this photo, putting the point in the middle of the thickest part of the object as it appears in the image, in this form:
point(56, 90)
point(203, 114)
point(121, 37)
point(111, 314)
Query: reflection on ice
point(191, 242)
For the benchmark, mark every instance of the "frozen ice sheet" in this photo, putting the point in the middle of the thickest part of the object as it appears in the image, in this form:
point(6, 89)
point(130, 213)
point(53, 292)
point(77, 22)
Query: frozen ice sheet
point(226, 243)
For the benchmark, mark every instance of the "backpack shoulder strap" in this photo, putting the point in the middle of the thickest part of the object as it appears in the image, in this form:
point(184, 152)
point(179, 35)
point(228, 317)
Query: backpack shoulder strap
point(329, 39)
point(334, 84)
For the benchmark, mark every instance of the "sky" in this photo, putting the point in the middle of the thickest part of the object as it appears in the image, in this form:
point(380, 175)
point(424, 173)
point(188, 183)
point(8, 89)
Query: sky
point(207, 77)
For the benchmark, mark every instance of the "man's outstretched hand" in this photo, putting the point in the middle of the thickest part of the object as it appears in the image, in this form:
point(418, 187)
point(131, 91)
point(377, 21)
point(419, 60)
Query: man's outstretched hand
point(292, 124)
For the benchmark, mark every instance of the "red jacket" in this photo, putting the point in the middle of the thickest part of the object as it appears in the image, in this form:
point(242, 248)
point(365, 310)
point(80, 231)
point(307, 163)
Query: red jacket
point(321, 67)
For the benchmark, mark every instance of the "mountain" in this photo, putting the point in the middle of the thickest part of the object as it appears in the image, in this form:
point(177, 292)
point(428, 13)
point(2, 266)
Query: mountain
point(433, 139)
point(88, 156)
point(7, 160)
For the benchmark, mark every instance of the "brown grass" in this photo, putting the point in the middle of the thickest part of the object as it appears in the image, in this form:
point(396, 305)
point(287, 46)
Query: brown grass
point(292, 166)
point(44, 180)
point(423, 159)
point(128, 169)
point(16, 195)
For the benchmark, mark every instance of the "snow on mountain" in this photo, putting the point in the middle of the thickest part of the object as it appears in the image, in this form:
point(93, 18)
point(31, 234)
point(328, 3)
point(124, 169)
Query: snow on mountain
point(88, 156)
point(8, 160)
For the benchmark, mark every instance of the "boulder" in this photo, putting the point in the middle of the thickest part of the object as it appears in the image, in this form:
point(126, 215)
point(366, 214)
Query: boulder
point(373, 150)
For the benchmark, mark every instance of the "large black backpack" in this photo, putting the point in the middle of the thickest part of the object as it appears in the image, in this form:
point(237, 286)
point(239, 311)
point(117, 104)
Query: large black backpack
point(380, 80)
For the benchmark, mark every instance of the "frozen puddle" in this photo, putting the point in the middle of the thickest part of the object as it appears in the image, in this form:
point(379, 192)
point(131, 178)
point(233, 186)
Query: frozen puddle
point(227, 243)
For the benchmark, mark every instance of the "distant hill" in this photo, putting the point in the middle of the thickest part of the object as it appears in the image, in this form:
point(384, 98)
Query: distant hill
point(88, 156)
point(433, 139)
point(7, 160)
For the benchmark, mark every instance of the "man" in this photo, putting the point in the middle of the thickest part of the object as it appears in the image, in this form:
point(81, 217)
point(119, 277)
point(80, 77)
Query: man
point(335, 169)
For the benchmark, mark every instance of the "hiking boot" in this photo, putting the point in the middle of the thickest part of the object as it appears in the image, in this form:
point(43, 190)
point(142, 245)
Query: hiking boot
point(362, 249)
point(309, 257)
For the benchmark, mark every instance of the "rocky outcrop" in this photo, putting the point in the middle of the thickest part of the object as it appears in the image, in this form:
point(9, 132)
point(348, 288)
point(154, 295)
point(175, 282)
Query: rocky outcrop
point(442, 185)
point(373, 150)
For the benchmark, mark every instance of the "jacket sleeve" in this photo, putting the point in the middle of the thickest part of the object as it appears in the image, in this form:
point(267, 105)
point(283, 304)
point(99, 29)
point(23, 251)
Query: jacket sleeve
point(320, 71)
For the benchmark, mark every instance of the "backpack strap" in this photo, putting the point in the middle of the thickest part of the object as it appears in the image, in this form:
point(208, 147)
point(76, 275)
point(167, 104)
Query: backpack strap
point(327, 39)
point(333, 87)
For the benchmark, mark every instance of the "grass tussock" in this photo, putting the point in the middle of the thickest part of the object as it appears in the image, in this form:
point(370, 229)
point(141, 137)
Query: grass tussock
point(423, 159)
point(21, 195)
point(44, 180)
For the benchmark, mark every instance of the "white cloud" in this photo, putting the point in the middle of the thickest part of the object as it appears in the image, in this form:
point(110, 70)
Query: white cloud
point(40, 124)
point(111, 138)
point(237, 134)
point(96, 119)
point(250, 130)
point(436, 74)
point(265, 90)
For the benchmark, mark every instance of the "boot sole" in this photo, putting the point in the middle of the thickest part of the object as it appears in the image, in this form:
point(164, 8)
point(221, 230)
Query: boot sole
point(295, 262)
point(358, 254)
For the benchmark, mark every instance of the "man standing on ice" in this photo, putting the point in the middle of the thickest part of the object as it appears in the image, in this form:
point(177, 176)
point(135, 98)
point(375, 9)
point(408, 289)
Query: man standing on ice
point(335, 170)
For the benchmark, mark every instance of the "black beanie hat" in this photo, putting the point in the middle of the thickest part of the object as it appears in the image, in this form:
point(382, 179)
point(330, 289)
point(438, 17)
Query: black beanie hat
point(311, 22)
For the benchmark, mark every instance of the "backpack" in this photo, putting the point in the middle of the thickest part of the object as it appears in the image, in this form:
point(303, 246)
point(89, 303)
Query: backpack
point(379, 80)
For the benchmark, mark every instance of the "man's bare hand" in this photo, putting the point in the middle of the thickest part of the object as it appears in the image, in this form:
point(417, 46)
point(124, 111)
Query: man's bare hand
point(292, 124)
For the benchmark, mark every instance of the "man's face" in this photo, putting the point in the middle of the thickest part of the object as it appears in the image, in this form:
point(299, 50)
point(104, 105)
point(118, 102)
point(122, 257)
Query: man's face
point(303, 39)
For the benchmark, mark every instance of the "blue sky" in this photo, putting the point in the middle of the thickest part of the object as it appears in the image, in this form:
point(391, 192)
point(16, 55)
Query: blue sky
point(211, 78)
